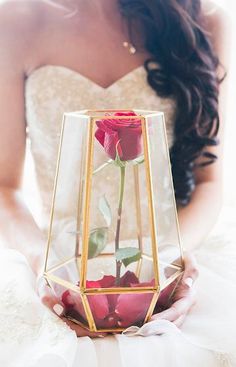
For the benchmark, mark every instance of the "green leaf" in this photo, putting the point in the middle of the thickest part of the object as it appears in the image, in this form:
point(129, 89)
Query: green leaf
point(97, 241)
point(128, 255)
point(138, 160)
point(105, 209)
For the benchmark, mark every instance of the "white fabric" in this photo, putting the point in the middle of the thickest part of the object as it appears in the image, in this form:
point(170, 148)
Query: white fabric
point(31, 336)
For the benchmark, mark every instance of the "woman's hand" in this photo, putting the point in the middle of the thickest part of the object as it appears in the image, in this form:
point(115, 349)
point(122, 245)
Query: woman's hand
point(184, 297)
point(49, 299)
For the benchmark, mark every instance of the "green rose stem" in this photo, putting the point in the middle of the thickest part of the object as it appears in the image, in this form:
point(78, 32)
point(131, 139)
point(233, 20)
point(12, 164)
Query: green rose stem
point(117, 238)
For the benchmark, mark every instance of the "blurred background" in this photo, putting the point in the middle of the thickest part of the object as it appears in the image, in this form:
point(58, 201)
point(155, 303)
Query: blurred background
point(229, 212)
point(230, 139)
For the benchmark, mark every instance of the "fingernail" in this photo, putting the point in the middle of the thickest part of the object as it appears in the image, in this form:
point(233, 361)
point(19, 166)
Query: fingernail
point(58, 309)
point(101, 336)
point(189, 282)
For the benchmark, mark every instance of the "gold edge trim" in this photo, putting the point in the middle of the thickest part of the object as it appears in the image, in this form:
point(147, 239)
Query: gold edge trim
point(169, 265)
point(97, 291)
point(150, 201)
point(128, 290)
point(80, 200)
point(54, 195)
point(89, 315)
point(173, 195)
point(171, 279)
point(56, 267)
point(138, 207)
point(151, 307)
point(124, 110)
point(62, 282)
point(81, 114)
point(86, 211)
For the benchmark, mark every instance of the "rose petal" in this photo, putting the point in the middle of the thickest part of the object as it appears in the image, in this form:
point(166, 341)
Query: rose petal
point(98, 303)
point(99, 306)
point(128, 278)
point(107, 281)
point(132, 308)
point(72, 301)
point(111, 321)
point(164, 297)
point(100, 136)
point(125, 134)
point(111, 143)
point(125, 113)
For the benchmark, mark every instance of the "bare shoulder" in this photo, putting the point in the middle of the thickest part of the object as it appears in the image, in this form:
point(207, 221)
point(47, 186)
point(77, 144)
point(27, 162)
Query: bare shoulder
point(217, 17)
point(19, 16)
point(20, 24)
point(19, 21)
point(219, 26)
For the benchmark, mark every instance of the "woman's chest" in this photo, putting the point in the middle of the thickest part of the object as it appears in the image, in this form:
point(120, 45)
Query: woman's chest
point(94, 50)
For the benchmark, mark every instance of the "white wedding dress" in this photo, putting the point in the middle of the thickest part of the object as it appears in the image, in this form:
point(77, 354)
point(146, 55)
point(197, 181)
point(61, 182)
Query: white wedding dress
point(30, 334)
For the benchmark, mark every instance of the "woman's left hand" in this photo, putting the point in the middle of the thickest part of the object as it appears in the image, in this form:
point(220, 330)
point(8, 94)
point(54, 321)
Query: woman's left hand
point(184, 297)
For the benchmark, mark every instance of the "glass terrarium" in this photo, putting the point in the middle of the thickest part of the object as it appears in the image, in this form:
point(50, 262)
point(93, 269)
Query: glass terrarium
point(113, 253)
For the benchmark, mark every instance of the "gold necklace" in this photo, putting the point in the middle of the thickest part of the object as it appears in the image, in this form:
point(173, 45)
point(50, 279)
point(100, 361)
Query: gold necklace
point(132, 50)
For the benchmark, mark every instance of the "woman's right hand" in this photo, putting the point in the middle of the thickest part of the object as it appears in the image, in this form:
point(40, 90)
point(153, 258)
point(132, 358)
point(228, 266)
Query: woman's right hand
point(50, 300)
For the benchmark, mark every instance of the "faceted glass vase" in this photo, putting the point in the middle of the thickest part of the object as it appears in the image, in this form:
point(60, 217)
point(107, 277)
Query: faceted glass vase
point(114, 251)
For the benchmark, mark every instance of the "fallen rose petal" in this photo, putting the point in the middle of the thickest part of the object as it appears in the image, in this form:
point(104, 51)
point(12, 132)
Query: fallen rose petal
point(107, 281)
point(132, 308)
point(110, 322)
point(72, 300)
point(98, 303)
point(112, 310)
point(128, 278)
point(164, 297)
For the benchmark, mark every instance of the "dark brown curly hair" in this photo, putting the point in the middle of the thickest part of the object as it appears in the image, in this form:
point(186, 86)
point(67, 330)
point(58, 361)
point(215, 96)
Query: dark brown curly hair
point(182, 66)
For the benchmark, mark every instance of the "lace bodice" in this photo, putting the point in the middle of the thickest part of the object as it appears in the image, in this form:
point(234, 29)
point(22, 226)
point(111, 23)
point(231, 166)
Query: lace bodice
point(52, 90)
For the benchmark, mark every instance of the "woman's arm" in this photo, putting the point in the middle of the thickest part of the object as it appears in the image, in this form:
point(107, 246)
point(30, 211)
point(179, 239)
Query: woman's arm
point(18, 229)
point(197, 219)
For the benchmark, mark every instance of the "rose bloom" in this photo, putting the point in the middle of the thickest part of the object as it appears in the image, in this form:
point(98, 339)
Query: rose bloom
point(121, 134)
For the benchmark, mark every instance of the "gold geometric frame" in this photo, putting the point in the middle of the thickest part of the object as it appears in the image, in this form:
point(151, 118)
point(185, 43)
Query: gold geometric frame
point(91, 117)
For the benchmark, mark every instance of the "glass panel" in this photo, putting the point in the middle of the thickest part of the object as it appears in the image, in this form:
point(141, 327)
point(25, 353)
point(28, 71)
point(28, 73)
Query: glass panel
point(166, 297)
point(67, 206)
point(163, 196)
point(114, 311)
point(71, 300)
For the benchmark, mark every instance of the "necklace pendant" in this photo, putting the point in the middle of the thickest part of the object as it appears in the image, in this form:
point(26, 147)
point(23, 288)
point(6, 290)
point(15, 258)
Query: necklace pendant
point(132, 50)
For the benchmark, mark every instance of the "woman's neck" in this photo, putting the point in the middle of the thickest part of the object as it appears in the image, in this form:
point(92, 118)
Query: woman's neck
point(99, 8)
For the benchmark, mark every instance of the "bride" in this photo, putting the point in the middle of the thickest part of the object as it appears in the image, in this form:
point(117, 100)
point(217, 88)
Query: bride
point(75, 54)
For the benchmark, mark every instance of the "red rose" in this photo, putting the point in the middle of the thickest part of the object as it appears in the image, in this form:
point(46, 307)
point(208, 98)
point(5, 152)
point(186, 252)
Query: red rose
point(121, 134)
point(112, 310)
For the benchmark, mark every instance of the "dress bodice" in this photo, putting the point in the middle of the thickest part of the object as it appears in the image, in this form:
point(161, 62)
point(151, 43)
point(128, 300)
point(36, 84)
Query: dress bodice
point(52, 90)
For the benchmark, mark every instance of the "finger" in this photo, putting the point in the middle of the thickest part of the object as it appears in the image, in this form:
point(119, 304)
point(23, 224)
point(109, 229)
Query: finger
point(80, 331)
point(190, 271)
point(178, 309)
point(50, 300)
point(179, 322)
point(170, 315)
point(54, 304)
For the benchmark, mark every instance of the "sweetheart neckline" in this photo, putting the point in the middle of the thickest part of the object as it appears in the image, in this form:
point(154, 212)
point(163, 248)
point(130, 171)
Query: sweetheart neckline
point(78, 74)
